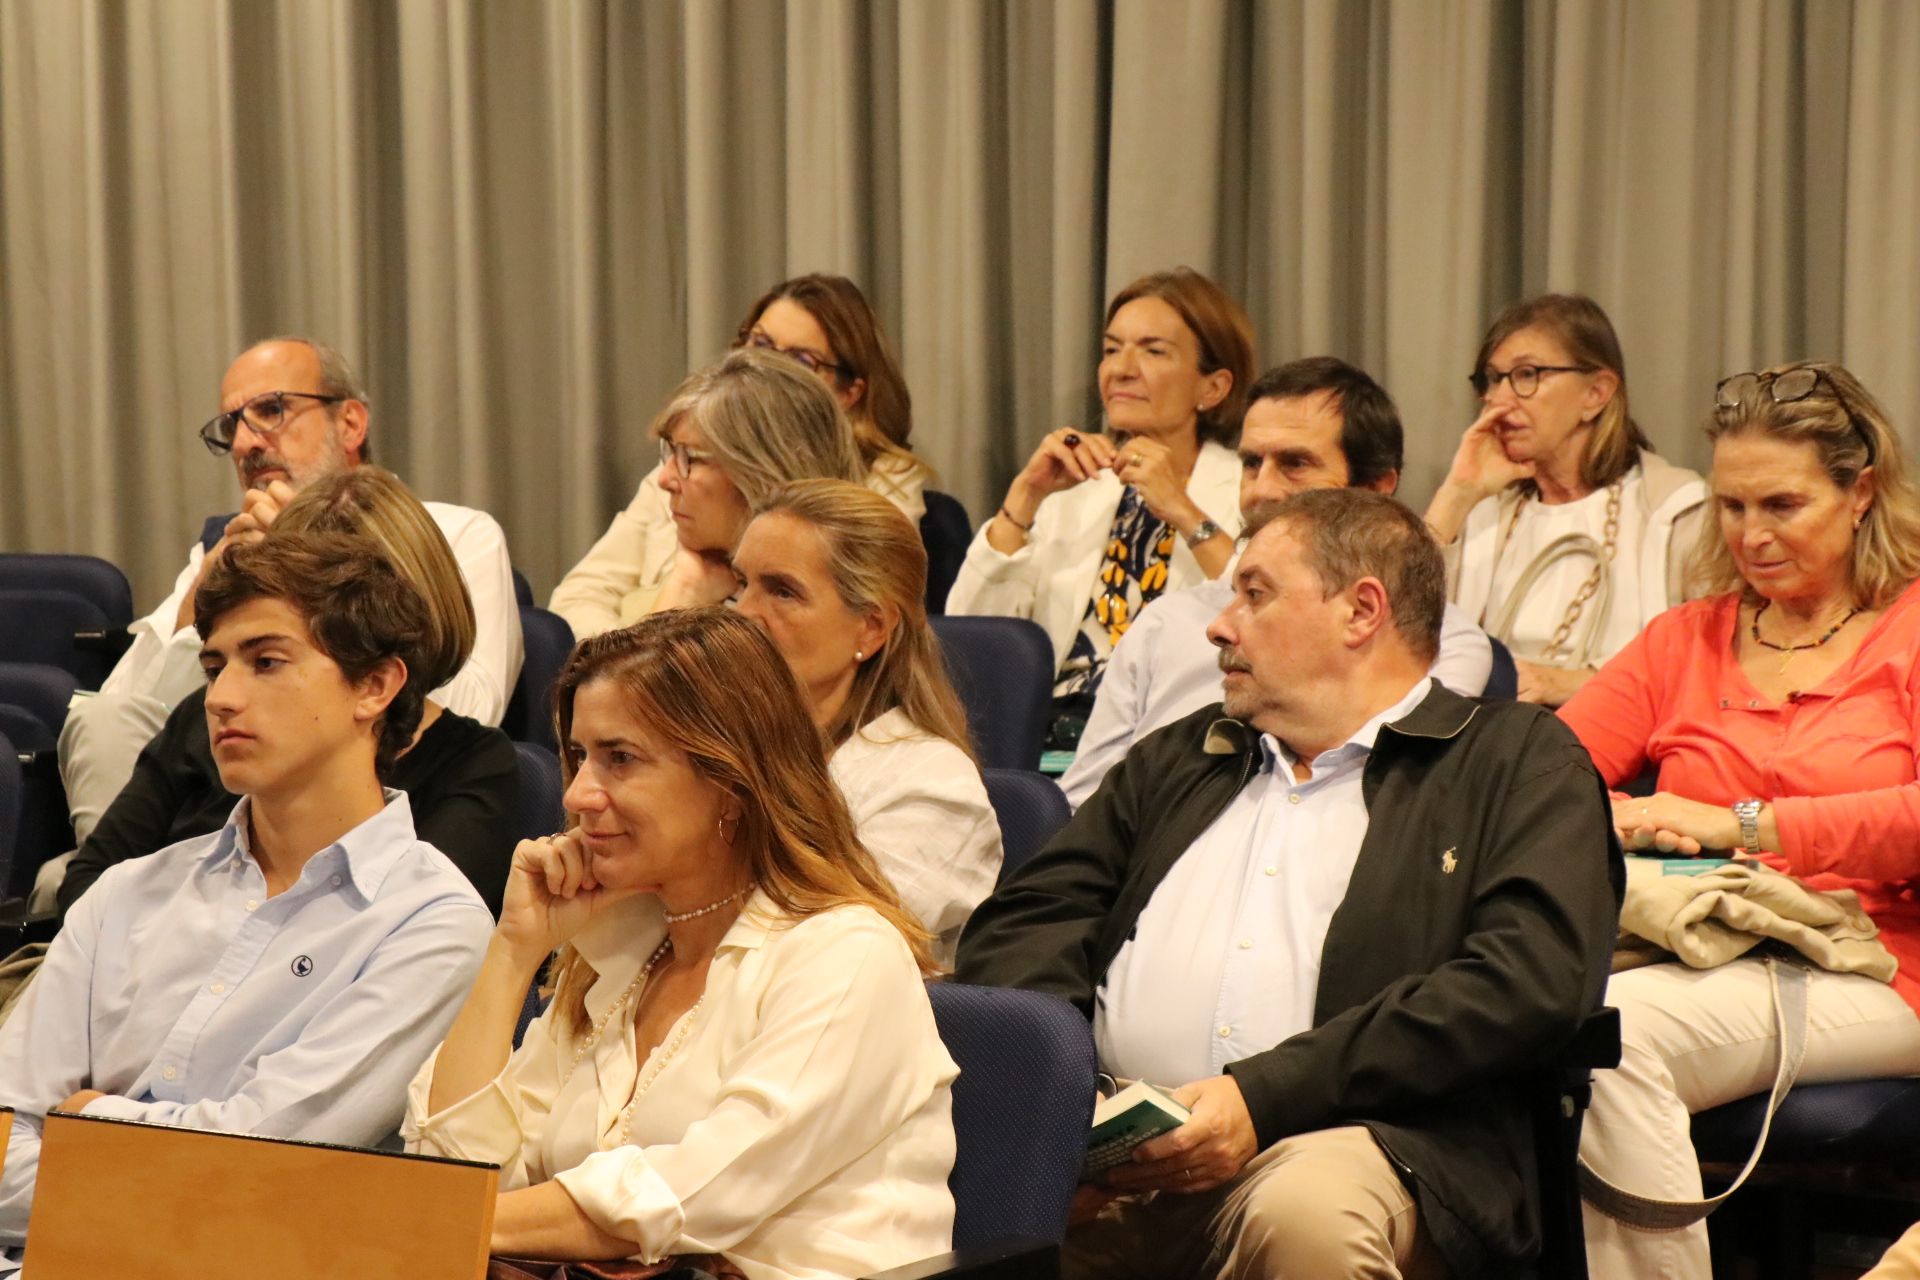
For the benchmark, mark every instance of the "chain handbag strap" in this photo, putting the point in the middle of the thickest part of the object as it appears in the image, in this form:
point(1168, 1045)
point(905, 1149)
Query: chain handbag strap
point(1598, 586)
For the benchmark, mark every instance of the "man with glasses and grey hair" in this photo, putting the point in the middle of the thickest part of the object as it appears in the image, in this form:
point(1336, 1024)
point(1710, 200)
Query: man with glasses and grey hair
point(292, 411)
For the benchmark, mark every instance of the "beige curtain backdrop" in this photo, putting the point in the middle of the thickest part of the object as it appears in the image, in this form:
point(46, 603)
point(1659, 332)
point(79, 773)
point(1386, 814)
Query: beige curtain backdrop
point(526, 220)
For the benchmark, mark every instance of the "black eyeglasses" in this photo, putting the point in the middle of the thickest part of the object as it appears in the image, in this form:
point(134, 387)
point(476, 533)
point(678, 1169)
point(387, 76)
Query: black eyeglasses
point(267, 413)
point(1524, 377)
point(813, 360)
point(1788, 387)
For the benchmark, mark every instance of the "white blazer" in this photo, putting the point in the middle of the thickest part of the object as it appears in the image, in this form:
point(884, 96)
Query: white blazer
point(1051, 578)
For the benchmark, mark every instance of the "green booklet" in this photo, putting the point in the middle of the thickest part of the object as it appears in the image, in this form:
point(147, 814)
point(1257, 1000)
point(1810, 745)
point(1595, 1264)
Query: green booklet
point(1124, 1121)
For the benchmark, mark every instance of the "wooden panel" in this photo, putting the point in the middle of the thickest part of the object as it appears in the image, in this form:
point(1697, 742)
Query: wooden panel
point(117, 1198)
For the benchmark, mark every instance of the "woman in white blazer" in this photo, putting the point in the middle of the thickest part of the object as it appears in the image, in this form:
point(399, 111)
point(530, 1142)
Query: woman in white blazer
point(1095, 527)
point(838, 578)
point(1564, 533)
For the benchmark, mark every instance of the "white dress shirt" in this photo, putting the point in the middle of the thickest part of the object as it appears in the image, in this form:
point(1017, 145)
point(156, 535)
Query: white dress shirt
point(164, 663)
point(922, 811)
point(798, 1119)
point(1165, 668)
point(1224, 961)
point(1053, 576)
point(191, 998)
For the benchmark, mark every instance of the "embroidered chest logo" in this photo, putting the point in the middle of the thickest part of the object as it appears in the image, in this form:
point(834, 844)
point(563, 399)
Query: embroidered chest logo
point(302, 966)
point(1448, 862)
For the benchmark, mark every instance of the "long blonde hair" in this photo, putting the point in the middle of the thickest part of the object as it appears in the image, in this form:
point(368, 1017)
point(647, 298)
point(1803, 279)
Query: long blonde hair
point(878, 561)
point(708, 683)
point(1849, 431)
point(767, 421)
point(373, 503)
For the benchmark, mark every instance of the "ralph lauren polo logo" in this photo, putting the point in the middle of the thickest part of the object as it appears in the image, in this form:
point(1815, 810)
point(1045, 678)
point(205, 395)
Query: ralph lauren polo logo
point(302, 966)
point(1448, 862)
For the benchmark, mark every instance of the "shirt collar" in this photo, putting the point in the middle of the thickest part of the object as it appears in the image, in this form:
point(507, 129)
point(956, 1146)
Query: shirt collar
point(1358, 744)
point(368, 852)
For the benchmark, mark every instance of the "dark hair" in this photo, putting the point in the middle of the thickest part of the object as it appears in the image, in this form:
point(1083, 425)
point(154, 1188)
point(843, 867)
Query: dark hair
point(1219, 325)
point(1350, 534)
point(1371, 437)
point(883, 416)
point(357, 607)
point(1578, 324)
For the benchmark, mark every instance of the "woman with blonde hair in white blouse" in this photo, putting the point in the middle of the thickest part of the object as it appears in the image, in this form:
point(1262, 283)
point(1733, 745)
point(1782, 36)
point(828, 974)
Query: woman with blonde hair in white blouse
point(838, 578)
point(739, 1059)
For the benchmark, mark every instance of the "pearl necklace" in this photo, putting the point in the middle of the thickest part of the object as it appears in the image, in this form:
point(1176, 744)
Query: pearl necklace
point(709, 909)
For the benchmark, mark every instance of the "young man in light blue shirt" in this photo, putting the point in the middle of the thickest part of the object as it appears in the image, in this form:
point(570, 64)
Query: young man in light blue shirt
point(288, 974)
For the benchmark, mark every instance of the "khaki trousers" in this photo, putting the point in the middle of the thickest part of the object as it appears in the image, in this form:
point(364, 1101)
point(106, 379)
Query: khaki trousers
point(1902, 1262)
point(1319, 1206)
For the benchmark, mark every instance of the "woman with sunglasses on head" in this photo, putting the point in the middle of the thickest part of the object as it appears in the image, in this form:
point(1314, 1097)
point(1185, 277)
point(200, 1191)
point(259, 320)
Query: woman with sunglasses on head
point(838, 579)
point(823, 325)
point(1096, 526)
point(1783, 715)
point(1564, 532)
point(730, 435)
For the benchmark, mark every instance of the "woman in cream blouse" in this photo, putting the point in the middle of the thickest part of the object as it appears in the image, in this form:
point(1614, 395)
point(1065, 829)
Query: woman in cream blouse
point(739, 1058)
point(838, 578)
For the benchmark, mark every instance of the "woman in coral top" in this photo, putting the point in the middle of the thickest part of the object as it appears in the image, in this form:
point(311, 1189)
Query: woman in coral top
point(1782, 715)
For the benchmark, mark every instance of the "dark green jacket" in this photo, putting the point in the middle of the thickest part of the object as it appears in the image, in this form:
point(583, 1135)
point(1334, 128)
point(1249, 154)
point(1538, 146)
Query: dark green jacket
point(1440, 989)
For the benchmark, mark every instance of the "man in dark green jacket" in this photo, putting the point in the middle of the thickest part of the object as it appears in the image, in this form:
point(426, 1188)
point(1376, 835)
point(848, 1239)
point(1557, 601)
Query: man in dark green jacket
point(1347, 914)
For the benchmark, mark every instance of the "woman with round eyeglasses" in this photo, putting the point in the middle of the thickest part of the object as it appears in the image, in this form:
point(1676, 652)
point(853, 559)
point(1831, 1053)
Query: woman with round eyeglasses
point(729, 437)
point(1565, 533)
point(1781, 713)
point(826, 324)
point(1098, 525)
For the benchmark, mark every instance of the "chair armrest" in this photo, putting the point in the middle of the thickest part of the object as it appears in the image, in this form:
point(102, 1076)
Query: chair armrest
point(113, 642)
point(1010, 1259)
point(1595, 1046)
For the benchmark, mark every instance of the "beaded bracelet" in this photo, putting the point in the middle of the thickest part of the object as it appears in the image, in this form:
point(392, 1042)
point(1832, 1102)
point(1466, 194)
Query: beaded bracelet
point(1024, 528)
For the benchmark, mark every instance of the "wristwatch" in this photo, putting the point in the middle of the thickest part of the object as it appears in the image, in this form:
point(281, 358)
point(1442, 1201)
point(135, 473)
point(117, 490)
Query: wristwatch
point(1202, 531)
point(1748, 811)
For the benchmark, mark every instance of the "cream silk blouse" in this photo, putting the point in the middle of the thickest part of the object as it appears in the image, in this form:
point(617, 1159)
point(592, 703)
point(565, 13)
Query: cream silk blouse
point(798, 1120)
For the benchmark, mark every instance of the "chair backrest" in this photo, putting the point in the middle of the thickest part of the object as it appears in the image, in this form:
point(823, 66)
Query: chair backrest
point(120, 1198)
point(10, 789)
point(1021, 1109)
point(946, 531)
point(39, 626)
point(548, 641)
point(538, 811)
point(215, 529)
point(92, 579)
point(1031, 808)
point(522, 589)
point(1503, 682)
point(1559, 1109)
point(25, 730)
point(1002, 669)
point(38, 689)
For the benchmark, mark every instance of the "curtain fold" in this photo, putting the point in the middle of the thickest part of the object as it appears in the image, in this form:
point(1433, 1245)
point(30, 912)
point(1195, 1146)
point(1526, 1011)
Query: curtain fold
point(526, 220)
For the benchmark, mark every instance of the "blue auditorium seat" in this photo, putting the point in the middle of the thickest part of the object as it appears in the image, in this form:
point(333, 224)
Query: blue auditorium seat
point(1002, 669)
point(1503, 682)
point(946, 531)
point(1031, 808)
point(549, 641)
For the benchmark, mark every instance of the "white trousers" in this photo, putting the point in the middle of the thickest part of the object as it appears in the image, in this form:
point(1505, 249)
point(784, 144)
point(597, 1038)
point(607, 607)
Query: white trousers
point(1691, 1040)
point(99, 744)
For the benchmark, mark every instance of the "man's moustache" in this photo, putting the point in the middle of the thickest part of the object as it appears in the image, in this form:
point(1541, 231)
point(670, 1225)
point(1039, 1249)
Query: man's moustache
point(1230, 661)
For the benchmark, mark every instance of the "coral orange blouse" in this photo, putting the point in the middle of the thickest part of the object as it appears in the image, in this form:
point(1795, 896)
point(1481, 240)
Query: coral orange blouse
point(1839, 762)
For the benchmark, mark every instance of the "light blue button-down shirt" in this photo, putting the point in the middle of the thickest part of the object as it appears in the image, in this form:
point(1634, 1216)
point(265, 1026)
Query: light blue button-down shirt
point(191, 998)
point(1225, 959)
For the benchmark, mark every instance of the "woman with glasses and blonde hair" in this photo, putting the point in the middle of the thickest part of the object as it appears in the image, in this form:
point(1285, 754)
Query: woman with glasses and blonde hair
point(817, 330)
point(460, 776)
point(1564, 532)
point(1783, 715)
point(739, 1058)
point(838, 579)
point(1097, 526)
